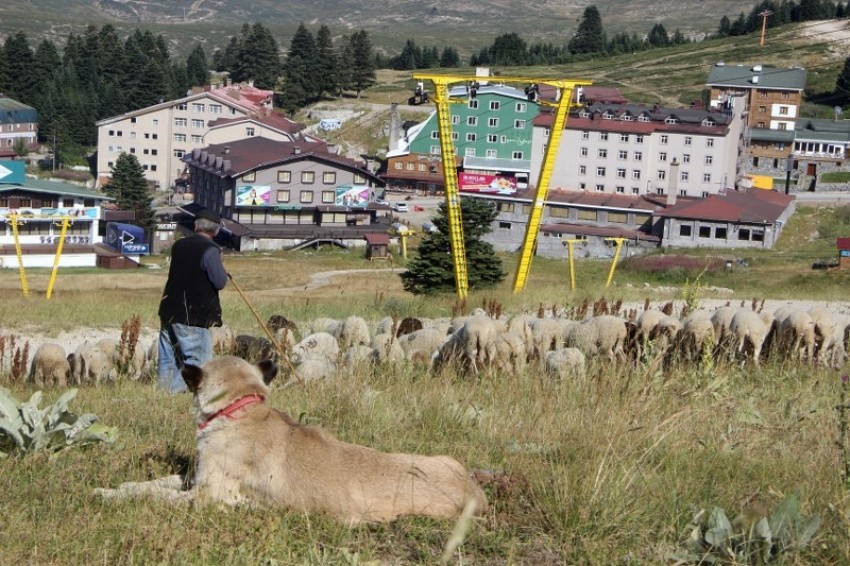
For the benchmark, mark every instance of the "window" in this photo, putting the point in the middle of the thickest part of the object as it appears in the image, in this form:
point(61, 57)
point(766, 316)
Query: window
point(709, 142)
point(603, 136)
point(659, 191)
point(180, 137)
point(600, 188)
point(178, 153)
point(180, 122)
point(582, 169)
point(133, 150)
point(586, 214)
point(620, 189)
point(181, 106)
point(600, 171)
point(435, 150)
point(250, 177)
point(421, 167)
point(492, 153)
point(602, 153)
point(624, 137)
point(618, 217)
point(720, 232)
point(471, 137)
point(283, 196)
point(306, 197)
point(329, 177)
point(469, 152)
point(308, 177)
point(397, 165)
point(622, 154)
point(473, 103)
point(684, 176)
point(132, 135)
point(492, 138)
point(686, 158)
point(704, 232)
point(132, 120)
point(662, 174)
point(639, 138)
point(662, 156)
point(516, 155)
point(664, 138)
point(493, 122)
point(583, 152)
point(197, 123)
point(495, 104)
point(504, 225)
point(215, 108)
point(635, 190)
point(762, 109)
point(409, 166)
point(585, 135)
point(688, 140)
point(155, 122)
point(706, 177)
point(328, 197)
point(709, 160)
point(505, 206)
point(635, 174)
point(783, 126)
point(196, 139)
point(521, 106)
point(472, 121)
point(559, 212)
point(685, 230)
point(197, 107)
point(503, 139)
point(455, 119)
point(359, 179)
point(249, 132)
point(455, 136)
point(621, 173)
point(638, 156)
point(704, 194)
point(744, 234)
point(519, 124)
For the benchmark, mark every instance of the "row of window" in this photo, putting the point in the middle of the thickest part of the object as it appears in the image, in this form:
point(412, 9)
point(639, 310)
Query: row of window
point(721, 233)
point(496, 104)
point(120, 149)
point(623, 155)
point(307, 177)
point(636, 173)
point(196, 139)
point(638, 138)
point(471, 152)
point(643, 117)
point(201, 107)
point(145, 166)
point(183, 122)
point(119, 134)
point(13, 127)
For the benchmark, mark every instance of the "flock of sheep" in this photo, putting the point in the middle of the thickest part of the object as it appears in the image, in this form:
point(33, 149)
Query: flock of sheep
point(560, 345)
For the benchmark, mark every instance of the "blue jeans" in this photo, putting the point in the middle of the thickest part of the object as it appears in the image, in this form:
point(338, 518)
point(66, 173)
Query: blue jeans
point(178, 345)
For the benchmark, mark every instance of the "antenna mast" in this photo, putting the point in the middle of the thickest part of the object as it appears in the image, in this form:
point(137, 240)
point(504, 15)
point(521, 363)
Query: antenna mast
point(763, 15)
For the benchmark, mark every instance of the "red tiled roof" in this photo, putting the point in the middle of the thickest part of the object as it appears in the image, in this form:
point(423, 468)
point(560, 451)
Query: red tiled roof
point(753, 205)
point(594, 199)
point(372, 239)
point(842, 243)
point(272, 120)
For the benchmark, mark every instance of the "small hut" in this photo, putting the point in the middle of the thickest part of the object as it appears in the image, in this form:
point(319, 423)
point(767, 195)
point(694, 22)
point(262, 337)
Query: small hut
point(377, 246)
point(843, 245)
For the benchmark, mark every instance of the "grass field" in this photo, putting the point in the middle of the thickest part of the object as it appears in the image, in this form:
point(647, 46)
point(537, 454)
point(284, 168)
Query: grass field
point(607, 469)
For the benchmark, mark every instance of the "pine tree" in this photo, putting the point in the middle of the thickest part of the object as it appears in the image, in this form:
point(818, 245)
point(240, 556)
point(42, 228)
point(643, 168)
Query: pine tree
point(197, 71)
point(20, 60)
point(130, 189)
point(509, 49)
point(327, 63)
point(842, 83)
point(432, 270)
point(260, 52)
point(589, 37)
point(362, 62)
point(658, 36)
point(299, 81)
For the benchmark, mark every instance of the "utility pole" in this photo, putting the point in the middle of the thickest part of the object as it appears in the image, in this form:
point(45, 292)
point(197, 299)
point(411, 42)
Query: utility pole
point(763, 15)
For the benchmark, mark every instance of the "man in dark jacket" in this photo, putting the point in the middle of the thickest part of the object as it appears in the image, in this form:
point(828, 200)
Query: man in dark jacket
point(190, 303)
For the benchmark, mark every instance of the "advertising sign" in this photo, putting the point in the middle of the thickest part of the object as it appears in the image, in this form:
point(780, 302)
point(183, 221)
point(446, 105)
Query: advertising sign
point(12, 172)
point(352, 195)
point(90, 213)
point(253, 195)
point(126, 238)
point(480, 183)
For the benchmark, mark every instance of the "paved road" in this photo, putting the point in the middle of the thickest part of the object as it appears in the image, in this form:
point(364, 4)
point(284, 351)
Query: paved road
point(823, 198)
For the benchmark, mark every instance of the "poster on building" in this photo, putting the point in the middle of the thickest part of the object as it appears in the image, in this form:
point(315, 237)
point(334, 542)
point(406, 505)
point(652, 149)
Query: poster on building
point(74, 213)
point(253, 195)
point(481, 183)
point(126, 238)
point(352, 195)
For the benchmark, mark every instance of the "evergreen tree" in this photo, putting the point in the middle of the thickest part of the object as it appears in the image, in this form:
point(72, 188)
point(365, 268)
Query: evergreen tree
point(300, 83)
point(589, 37)
point(130, 189)
point(432, 270)
point(362, 61)
point(45, 62)
point(842, 83)
point(327, 63)
point(449, 58)
point(197, 71)
point(509, 49)
point(725, 27)
point(151, 88)
point(5, 81)
point(259, 57)
point(20, 60)
point(658, 36)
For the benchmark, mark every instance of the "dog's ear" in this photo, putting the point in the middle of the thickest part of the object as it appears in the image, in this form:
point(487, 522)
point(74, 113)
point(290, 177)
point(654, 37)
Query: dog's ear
point(192, 376)
point(269, 370)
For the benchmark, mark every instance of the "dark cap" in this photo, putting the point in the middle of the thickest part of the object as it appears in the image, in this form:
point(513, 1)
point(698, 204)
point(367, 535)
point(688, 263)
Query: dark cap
point(208, 214)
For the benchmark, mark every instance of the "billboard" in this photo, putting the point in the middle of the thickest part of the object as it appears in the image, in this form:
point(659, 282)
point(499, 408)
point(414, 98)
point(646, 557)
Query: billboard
point(88, 213)
point(126, 238)
point(253, 195)
point(352, 195)
point(480, 183)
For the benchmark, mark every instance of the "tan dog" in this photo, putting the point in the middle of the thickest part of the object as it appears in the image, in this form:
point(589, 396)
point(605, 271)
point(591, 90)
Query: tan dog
point(251, 453)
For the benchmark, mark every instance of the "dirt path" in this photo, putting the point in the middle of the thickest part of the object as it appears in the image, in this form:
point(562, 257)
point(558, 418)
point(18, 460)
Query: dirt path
point(321, 279)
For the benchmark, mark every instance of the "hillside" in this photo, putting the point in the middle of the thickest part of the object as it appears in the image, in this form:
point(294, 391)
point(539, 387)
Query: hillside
point(390, 22)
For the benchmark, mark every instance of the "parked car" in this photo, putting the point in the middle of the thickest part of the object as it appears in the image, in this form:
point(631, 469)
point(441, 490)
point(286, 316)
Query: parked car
point(400, 207)
point(382, 201)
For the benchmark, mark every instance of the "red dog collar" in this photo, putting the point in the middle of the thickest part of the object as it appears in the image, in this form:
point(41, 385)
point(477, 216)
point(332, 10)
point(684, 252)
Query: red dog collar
point(228, 411)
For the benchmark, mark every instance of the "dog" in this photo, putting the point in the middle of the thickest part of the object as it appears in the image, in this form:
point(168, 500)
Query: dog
point(252, 454)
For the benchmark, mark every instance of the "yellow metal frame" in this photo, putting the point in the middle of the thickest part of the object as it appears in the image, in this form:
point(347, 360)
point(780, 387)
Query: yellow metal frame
point(441, 101)
point(66, 221)
point(618, 245)
point(14, 222)
point(569, 244)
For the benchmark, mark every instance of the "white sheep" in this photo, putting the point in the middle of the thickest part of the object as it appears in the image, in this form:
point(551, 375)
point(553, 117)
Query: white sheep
point(313, 368)
point(386, 349)
point(547, 334)
point(511, 353)
point(602, 334)
point(385, 326)
point(697, 334)
point(329, 325)
point(353, 330)
point(795, 335)
point(422, 342)
point(223, 340)
point(358, 355)
point(88, 363)
point(316, 345)
point(121, 360)
point(564, 363)
point(50, 366)
point(825, 327)
point(750, 329)
point(521, 325)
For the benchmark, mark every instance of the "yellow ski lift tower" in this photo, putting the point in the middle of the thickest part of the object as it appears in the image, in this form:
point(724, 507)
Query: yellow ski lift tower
point(444, 123)
point(618, 245)
point(14, 222)
point(569, 244)
point(66, 221)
